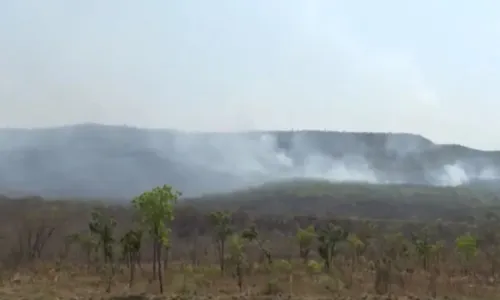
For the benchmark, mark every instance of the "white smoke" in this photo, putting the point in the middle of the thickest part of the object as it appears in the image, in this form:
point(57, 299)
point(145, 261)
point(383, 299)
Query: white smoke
point(122, 161)
point(456, 174)
point(258, 158)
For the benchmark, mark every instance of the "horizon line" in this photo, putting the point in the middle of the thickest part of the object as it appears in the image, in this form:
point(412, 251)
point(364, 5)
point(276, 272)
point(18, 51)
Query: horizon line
point(136, 127)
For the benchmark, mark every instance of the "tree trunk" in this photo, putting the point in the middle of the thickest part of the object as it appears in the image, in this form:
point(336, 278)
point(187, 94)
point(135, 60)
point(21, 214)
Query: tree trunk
point(104, 252)
point(194, 251)
point(155, 256)
point(110, 278)
point(239, 274)
point(165, 259)
point(222, 247)
point(88, 253)
point(111, 274)
point(132, 260)
point(160, 276)
point(138, 260)
point(128, 259)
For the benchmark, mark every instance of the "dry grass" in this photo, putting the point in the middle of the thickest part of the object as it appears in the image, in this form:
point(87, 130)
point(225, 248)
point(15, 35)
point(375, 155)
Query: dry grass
point(54, 273)
point(45, 281)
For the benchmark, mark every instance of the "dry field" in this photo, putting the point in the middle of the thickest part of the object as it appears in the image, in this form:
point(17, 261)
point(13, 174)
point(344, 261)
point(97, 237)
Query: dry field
point(48, 252)
point(185, 282)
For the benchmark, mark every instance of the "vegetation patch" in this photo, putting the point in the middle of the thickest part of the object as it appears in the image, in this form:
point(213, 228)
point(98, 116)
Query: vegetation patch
point(298, 240)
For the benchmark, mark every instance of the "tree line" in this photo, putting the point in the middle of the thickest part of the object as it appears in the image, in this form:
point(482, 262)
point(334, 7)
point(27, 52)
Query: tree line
point(336, 247)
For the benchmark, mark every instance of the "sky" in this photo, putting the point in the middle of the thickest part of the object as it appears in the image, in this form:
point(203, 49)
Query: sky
point(425, 67)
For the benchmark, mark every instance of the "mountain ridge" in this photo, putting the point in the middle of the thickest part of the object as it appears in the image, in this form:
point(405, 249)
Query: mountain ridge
point(92, 160)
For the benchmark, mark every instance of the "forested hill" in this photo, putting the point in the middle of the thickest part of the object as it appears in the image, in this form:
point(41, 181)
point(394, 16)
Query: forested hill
point(119, 162)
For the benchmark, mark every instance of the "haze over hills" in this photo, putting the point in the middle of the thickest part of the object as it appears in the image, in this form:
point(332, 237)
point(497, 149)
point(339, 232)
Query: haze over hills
point(92, 160)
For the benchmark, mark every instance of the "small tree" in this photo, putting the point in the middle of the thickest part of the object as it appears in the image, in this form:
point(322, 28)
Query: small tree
point(102, 228)
point(396, 249)
point(68, 241)
point(221, 221)
point(88, 245)
point(156, 208)
point(357, 247)
point(237, 257)
point(423, 246)
point(437, 251)
point(489, 240)
point(328, 239)
point(305, 238)
point(131, 249)
point(37, 228)
point(467, 246)
point(251, 234)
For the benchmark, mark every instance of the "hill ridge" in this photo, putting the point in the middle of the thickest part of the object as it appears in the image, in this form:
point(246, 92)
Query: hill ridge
point(94, 160)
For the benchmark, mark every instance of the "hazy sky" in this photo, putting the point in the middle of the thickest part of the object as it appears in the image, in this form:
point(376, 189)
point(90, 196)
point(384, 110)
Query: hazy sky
point(429, 67)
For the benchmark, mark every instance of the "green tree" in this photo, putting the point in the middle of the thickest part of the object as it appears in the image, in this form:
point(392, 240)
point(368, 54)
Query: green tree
point(156, 208)
point(357, 247)
point(305, 238)
point(423, 246)
point(221, 222)
point(467, 246)
point(237, 257)
point(328, 239)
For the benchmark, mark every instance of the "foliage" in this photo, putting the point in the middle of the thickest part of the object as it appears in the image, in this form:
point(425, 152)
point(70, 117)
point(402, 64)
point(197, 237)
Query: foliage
point(131, 243)
point(467, 246)
point(251, 234)
point(328, 239)
point(221, 222)
point(237, 257)
point(314, 267)
point(156, 207)
point(305, 238)
point(103, 228)
point(405, 256)
point(423, 246)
